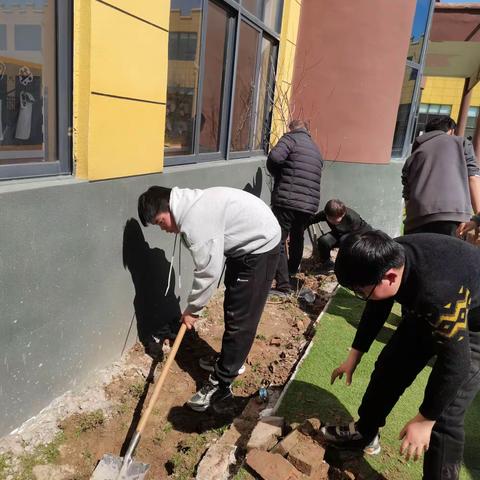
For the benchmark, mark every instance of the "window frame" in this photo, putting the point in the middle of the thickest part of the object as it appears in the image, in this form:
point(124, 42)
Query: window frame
point(63, 93)
point(236, 13)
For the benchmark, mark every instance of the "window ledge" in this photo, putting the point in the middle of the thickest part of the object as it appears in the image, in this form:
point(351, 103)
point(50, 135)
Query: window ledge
point(8, 186)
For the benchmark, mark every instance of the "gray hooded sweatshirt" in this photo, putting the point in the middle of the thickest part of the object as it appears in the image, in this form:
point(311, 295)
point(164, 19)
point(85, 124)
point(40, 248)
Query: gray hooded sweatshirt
point(218, 222)
point(435, 179)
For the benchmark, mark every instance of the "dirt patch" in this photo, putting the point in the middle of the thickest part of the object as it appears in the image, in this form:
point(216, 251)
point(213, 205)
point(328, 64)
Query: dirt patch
point(176, 438)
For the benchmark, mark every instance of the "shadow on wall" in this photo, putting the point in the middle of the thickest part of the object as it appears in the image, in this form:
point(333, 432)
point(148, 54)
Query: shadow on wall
point(255, 188)
point(157, 312)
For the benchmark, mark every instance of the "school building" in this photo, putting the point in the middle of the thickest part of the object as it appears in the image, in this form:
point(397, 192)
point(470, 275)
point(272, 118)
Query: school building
point(100, 99)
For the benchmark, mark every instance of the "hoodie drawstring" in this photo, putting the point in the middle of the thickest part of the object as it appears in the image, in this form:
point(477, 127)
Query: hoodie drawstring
point(171, 265)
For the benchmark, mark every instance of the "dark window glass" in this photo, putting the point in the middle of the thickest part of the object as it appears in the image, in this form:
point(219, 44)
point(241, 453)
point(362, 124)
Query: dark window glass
point(265, 95)
point(213, 82)
point(253, 6)
point(183, 69)
point(244, 88)
point(272, 13)
point(28, 85)
point(3, 37)
point(28, 37)
point(406, 99)
point(418, 29)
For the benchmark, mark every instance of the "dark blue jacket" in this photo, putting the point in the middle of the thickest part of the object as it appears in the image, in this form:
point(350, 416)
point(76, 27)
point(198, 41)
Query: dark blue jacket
point(296, 166)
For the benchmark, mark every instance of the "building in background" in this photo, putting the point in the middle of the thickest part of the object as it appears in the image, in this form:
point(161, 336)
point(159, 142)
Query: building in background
point(100, 99)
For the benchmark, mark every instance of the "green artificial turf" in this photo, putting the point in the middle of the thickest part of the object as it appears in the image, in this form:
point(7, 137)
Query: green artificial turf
point(310, 393)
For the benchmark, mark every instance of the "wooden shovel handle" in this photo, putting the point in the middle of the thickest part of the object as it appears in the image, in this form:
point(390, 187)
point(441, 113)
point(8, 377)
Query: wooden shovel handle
point(163, 375)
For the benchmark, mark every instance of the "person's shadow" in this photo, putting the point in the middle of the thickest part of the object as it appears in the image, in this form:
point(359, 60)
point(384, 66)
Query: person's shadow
point(255, 188)
point(157, 311)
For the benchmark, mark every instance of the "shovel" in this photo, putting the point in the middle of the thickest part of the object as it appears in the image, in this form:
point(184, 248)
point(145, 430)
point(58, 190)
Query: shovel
point(111, 467)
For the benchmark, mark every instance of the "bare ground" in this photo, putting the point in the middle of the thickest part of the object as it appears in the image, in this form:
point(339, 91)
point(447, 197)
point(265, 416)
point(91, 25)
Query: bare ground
point(176, 438)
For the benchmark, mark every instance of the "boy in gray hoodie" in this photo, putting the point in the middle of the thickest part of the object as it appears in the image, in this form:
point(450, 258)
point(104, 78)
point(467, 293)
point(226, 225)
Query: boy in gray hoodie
point(214, 223)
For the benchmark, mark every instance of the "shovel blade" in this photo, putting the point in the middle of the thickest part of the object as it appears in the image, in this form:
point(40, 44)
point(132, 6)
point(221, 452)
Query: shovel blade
point(110, 466)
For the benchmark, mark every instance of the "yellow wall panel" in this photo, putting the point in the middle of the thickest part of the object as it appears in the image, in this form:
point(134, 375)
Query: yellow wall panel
point(293, 20)
point(154, 11)
point(128, 55)
point(126, 137)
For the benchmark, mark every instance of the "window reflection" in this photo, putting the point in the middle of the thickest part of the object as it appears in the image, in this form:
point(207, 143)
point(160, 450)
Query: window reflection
point(418, 30)
point(272, 13)
point(265, 96)
point(406, 99)
point(183, 69)
point(244, 88)
point(214, 77)
point(27, 81)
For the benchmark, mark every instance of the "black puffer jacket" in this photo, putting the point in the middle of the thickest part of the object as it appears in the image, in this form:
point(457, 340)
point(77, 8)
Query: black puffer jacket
point(296, 166)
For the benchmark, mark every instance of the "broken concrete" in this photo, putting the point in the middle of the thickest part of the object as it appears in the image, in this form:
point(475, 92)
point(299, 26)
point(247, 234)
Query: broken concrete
point(53, 472)
point(266, 433)
point(216, 462)
point(272, 466)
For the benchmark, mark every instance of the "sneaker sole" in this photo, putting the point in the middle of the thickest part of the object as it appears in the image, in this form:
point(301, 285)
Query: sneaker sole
point(198, 408)
point(373, 451)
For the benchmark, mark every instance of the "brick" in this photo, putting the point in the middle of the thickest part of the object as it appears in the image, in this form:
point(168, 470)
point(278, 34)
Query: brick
point(272, 466)
point(265, 434)
point(307, 457)
point(290, 441)
point(310, 426)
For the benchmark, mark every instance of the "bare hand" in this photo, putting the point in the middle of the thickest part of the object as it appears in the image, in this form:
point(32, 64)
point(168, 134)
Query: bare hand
point(466, 227)
point(189, 320)
point(347, 367)
point(416, 437)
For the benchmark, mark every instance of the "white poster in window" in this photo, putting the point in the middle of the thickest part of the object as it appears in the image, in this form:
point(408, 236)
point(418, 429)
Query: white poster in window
point(24, 122)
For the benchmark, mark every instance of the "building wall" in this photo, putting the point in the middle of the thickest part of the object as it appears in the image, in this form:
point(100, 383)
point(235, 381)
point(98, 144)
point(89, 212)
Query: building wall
point(349, 69)
point(448, 91)
point(119, 87)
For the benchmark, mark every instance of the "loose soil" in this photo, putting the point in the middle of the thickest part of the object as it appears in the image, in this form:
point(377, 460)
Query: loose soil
point(176, 438)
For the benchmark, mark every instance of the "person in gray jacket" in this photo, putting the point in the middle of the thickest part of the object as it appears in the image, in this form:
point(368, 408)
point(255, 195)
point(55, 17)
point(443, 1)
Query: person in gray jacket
point(440, 180)
point(214, 223)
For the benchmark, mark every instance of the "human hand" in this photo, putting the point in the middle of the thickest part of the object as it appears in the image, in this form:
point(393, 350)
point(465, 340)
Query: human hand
point(189, 320)
point(347, 367)
point(416, 437)
point(465, 227)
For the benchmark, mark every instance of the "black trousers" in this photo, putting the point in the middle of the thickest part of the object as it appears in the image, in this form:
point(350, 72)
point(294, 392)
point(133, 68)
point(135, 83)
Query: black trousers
point(325, 245)
point(293, 224)
point(247, 282)
point(402, 359)
point(445, 228)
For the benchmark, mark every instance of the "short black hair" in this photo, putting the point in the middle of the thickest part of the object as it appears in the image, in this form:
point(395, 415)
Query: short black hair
point(152, 202)
point(335, 208)
point(364, 258)
point(441, 122)
point(295, 124)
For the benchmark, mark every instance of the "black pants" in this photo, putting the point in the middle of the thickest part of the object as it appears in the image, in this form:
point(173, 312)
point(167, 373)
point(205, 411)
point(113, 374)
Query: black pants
point(325, 245)
point(402, 359)
point(293, 223)
point(445, 228)
point(247, 282)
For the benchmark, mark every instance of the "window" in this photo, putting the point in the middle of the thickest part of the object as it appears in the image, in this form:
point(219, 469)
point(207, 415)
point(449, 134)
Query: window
point(429, 111)
point(34, 69)
point(220, 78)
point(471, 121)
point(182, 46)
point(410, 95)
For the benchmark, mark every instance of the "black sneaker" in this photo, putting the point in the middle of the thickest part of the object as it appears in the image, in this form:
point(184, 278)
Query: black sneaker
point(212, 392)
point(280, 293)
point(349, 438)
point(208, 364)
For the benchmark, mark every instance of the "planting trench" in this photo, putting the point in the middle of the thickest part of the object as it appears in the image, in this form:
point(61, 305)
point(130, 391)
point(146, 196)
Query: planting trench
point(175, 438)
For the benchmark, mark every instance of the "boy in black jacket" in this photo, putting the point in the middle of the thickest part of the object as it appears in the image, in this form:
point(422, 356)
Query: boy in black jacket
point(436, 279)
point(342, 222)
